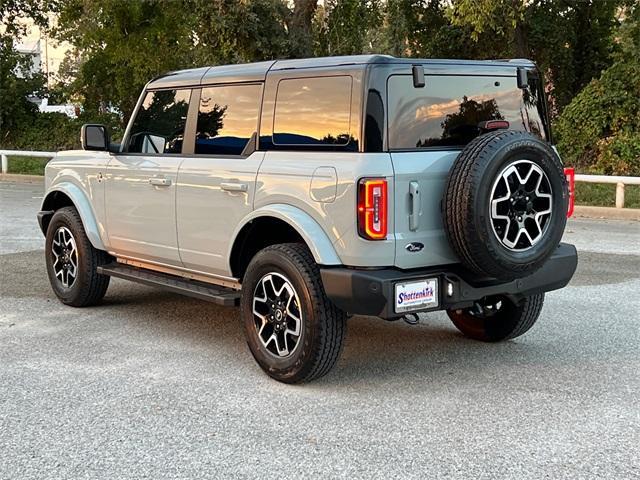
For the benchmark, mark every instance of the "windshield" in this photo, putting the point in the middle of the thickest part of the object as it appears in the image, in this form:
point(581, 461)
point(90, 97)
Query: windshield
point(449, 111)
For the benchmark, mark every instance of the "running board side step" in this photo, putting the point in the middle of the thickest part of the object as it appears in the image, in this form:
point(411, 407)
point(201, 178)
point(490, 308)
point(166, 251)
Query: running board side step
point(192, 288)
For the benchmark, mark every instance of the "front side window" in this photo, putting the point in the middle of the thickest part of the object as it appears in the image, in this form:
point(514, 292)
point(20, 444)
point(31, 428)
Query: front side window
point(159, 125)
point(227, 118)
point(450, 111)
point(313, 112)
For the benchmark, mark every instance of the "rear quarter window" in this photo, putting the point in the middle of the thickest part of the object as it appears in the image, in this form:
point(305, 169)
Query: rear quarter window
point(313, 112)
point(448, 110)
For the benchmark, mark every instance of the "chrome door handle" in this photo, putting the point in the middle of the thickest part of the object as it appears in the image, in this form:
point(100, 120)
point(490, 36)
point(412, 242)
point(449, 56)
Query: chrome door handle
point(414, 216)
point(160, 181)
point(234, 187)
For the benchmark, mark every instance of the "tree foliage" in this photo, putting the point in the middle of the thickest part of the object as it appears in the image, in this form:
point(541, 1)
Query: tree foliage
point(121, 45)
point(587, 54)
point(300, 28)
point(346, 27)
point(17, 85)
point(571, 41)
point(236, 31)
point(18, 82)
point(600, 129)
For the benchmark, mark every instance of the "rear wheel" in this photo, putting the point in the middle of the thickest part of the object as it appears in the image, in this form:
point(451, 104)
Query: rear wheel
point(293, 330)
point(72, 261)
point(498, 318)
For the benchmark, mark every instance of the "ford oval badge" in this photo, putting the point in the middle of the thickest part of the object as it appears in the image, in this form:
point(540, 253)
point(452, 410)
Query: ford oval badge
point(414, 247)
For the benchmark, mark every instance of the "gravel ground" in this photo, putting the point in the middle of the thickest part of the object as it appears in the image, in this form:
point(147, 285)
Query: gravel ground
point(153, 385)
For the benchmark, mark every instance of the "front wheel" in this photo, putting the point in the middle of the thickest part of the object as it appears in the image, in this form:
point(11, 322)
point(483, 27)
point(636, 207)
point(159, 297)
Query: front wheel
point(72, 261)
point(293, 330)
point(497, 318)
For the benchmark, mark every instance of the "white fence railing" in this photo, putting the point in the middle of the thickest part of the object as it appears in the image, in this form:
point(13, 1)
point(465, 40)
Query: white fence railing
point(620, 182)
point(21, 153)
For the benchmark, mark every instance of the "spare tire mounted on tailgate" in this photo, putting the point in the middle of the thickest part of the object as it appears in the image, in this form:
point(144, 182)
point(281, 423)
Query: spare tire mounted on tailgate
point(505, 204)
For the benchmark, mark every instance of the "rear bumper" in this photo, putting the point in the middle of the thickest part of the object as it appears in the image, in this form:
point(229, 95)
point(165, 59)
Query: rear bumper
point(371, 292)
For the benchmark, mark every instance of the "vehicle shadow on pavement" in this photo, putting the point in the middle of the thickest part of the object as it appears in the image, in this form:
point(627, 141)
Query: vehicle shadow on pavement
point(375, 351)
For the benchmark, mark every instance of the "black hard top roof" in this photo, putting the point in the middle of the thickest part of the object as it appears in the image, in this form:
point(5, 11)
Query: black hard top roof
point(248, 72)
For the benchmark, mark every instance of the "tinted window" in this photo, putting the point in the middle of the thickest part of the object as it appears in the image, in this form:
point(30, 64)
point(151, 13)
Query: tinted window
point(313, 111)
point(374, 122)
point(159, 124)
point(449, 110)
point(227, 118)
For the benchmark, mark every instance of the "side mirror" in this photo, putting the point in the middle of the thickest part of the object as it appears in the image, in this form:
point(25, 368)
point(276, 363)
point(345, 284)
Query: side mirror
point(94, 137)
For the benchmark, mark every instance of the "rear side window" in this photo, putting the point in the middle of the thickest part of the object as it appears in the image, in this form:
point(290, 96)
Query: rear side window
point(227, 118)
point(159, 124)
point(450, 110)
point(313, 112)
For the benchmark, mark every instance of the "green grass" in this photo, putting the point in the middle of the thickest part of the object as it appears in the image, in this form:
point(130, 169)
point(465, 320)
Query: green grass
point(604, 195)
point(27, 165)
point(596, 194)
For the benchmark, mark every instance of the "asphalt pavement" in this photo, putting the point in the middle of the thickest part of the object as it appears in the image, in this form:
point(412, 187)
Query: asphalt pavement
point(154, 385)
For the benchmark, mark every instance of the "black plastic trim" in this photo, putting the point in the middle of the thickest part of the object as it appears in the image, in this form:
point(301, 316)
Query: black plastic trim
point(44, 217)
point(370, 292)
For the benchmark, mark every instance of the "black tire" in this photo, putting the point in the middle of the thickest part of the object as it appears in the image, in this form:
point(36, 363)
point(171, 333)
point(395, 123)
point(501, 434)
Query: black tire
point(466, 205)
point(508, 321)
point(88, 287)
point(323, 326)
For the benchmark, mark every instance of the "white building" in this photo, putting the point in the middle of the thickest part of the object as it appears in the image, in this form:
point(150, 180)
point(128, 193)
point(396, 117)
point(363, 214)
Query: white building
point(46, 57)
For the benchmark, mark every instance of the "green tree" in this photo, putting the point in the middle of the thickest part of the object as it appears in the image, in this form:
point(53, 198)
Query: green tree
point(17, 85)
point(599, 131)
point(236, 31)
point(121, 45)
point(345, 27)
point(498, 17)
point(17, 80)
point(423, 28)
point(571, 41)
point(300, 28)
point(14, 12)
point(410, 27)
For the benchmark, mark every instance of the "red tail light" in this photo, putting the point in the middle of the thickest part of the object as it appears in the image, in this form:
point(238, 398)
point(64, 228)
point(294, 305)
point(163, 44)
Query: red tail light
point(571, 179)
point(372, 208)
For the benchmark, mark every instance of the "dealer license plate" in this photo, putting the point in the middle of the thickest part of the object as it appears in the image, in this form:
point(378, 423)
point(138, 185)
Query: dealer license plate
point(416, 295)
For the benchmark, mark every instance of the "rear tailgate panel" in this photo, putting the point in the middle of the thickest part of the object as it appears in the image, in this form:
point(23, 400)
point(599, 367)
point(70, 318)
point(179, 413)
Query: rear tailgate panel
point(429, 170)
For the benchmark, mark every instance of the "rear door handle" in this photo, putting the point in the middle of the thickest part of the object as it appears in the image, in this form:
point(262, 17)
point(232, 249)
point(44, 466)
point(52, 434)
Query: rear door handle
point(160, 181)
point(414, 216)
point(234, 187)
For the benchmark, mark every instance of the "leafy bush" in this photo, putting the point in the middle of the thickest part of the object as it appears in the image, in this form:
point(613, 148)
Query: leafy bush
point(27, 165)
point(604, 195)
point(599, 131)
point(55, 131)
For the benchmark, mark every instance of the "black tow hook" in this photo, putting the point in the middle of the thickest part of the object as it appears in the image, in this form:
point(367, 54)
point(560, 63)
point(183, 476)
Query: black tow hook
point(411, 318)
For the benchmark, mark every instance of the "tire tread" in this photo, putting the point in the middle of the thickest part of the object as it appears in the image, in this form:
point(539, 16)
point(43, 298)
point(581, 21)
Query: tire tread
point(92, 293)
point(331, 330)
point(459, 208)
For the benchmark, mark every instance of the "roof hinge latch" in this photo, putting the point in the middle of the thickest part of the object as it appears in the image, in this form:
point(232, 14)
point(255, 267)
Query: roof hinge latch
point(418, 76)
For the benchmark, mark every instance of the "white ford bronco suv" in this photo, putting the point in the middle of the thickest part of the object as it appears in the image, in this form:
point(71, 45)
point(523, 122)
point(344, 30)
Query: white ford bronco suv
point(306, 191)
